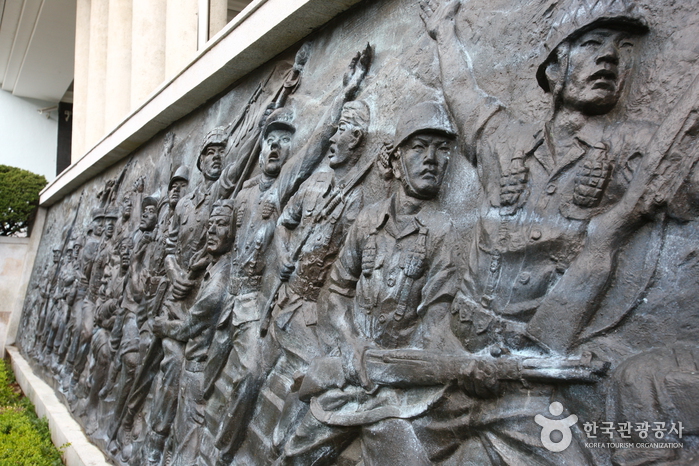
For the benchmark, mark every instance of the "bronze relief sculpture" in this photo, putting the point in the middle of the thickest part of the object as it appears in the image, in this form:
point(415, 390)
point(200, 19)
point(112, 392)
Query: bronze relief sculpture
point(476, 244)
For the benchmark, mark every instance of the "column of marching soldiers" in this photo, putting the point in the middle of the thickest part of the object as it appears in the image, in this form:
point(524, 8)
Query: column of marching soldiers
point(276, 318)
point(155, 335)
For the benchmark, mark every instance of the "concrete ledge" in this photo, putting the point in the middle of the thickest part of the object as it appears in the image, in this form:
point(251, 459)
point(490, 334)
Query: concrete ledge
point(262, 31)
point(64, 429)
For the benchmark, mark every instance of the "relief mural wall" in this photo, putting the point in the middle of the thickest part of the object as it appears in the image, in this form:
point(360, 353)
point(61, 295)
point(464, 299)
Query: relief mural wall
point(437, 232)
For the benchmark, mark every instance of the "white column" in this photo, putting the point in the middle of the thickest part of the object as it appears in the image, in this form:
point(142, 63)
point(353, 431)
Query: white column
point(118, 77)
point(148, 48)
point(202, 23)
point(218, 16)
point(97, 72)
point(82, 53)
point(180, 35)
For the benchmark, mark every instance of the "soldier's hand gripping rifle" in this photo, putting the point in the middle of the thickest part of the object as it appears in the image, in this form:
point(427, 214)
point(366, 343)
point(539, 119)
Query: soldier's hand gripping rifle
point(479, 374)
point(330, 205)
point(408, 367)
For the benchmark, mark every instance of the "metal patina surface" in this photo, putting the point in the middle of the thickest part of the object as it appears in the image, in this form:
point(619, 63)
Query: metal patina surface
point(437, 232)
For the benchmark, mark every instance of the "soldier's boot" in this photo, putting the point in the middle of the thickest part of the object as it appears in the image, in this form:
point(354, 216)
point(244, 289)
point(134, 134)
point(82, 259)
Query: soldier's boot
point(155, 444)
point(127, 442)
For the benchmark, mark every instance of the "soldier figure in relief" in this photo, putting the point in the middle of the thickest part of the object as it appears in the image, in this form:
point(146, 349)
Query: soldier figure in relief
point(132, 308)
point(184, 263)
point(83, 309)
point(196, 331)
point(239, 361)
point(543, 185)
point(46, 284)
point(309, 234)
point(390, 289)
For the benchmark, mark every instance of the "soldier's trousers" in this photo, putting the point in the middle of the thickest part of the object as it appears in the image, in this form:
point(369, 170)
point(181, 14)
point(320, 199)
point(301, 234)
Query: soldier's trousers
point(279, 409)
point(388, 442)
point(164, 405)
point(238, 385)
point(500, 430)
point(655, 386)
point(189, 421)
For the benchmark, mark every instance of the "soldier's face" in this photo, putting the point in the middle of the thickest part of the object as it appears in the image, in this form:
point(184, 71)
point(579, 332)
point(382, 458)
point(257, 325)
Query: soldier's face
point(423, 161)
point(212, 162)
point(76, 251)
point(176, 190)
point(342, 143)
point(126, 208)
point(149, 218)
point(219, 236)
point(56, 255)
point(598, 64)
point(106, 276)
point(125, 254)
point(98, 226)
point(109, 223)
point(275, 151)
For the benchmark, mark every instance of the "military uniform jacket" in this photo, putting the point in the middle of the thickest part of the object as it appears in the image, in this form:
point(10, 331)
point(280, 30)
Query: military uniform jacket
point(396, 280)
point(323, 238)
point(399, 280)
point(102, 260)
point(537, 204)
point(256, 212)
point(200, 323)
point(187, 228)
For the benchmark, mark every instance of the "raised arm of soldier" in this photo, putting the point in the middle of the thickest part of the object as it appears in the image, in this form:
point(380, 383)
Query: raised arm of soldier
point(235, 169)
point(300, 167)
point(471, 107)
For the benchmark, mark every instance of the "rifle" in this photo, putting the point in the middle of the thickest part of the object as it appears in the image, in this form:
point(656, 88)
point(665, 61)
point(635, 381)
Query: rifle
point(409, 367)
point(330, 205)
point(413, 367)
point(289, 85)
point(246, 110)
point(114, 192)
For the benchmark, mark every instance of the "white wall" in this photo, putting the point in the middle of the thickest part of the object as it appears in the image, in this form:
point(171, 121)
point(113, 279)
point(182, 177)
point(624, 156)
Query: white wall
point(13, 255)
point(28, 139)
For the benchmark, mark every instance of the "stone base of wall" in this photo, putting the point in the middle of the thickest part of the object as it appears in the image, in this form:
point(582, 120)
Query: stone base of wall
point(64, 429)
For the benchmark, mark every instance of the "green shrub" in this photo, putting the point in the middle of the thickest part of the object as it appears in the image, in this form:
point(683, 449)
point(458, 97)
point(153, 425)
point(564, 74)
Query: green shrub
point(25, 440)
point(19, 196)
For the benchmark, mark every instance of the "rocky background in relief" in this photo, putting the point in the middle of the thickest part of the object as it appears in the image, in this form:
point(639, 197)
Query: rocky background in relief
point(438, 232)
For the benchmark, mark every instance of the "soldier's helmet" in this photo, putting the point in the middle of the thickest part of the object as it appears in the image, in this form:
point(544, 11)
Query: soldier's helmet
point(97, 214)
point(111, 213)
point(280, 118)
point(427, 116)
point(574, 18)
point(78, 241)
point(152, 200)
point(181, 174)
point(424, 117)
point(216, 137)
point(223, 208)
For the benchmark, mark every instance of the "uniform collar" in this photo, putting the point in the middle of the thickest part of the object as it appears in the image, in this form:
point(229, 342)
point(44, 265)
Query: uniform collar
point(589, 136)
point(386, 219)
